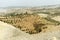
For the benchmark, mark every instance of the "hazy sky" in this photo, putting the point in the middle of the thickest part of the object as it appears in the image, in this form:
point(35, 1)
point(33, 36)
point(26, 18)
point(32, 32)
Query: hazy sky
point(6, 3)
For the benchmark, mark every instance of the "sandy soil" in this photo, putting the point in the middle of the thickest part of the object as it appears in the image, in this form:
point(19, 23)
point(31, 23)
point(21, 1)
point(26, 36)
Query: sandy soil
point(8, 32)
point(57, 18)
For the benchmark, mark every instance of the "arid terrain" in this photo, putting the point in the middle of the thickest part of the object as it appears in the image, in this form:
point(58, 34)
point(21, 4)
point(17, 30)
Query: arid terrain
point(30, 23)
point(34, 21)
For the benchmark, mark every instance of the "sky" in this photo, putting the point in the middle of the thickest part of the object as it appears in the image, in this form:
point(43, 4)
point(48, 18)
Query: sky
point(7, 3)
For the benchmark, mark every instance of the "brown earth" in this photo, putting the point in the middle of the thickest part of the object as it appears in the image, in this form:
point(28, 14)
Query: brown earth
point(28, 23)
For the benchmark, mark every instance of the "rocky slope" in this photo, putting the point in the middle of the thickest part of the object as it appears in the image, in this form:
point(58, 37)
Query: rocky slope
point(8, 32)
point(29, 23)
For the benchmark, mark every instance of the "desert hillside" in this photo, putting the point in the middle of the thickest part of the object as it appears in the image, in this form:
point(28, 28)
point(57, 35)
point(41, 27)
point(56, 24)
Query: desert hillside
point(46, 31)
point(29, 23)
point(33, 23)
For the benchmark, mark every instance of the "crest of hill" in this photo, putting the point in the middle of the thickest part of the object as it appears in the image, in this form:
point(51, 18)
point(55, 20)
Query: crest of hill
point(29, 23)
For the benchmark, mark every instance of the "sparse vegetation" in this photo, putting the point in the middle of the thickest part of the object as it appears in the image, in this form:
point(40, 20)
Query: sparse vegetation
point(30, 23)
